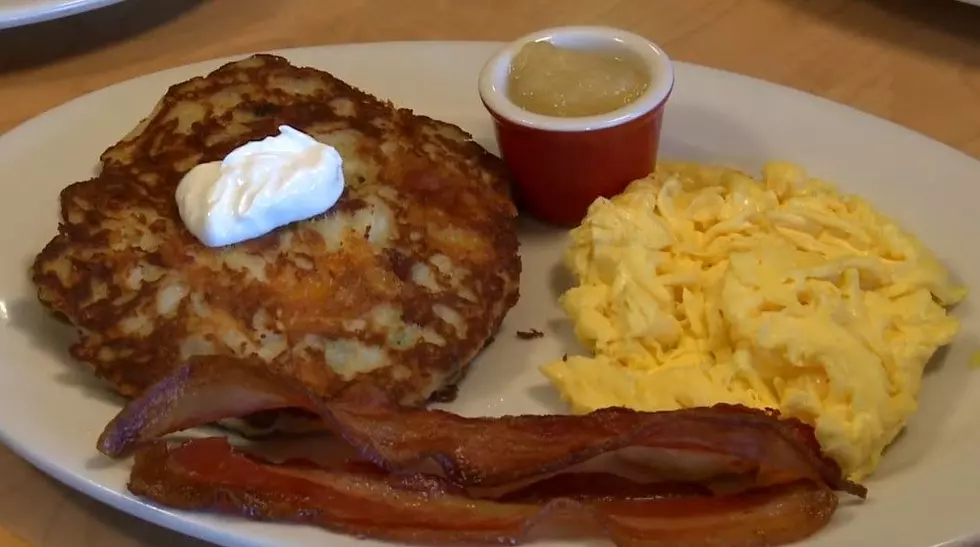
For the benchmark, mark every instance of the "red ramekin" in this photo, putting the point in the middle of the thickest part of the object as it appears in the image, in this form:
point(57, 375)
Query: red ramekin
point(561, 165)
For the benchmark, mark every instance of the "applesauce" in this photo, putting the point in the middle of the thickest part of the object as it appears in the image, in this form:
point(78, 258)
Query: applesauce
point(570, 83)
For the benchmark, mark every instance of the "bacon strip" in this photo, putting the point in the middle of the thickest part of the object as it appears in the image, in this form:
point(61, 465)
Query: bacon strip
point(487, 453)
point(206, 390)
point(208, 474)
point(695, 444)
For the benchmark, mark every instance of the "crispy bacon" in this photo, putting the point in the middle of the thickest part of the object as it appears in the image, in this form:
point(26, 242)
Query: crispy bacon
point(206, 390)
point(208, 474)
point(492, 456)
point(699, 444)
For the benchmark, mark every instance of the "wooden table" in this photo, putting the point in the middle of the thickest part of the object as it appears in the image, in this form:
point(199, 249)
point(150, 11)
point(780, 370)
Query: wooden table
point(916, 62)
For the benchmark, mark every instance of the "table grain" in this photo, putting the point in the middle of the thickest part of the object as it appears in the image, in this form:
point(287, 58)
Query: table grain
point(915, 62)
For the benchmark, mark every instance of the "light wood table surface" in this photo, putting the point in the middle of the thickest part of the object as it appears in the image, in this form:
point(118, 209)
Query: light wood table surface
point(916, 62)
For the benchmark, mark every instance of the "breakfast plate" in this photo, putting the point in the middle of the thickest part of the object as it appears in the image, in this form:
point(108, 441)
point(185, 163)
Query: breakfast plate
point(15, 13)
point(53, 410)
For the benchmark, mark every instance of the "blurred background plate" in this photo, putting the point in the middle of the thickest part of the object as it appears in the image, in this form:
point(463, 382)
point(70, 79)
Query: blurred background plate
point(15, 13)
point(973, 2)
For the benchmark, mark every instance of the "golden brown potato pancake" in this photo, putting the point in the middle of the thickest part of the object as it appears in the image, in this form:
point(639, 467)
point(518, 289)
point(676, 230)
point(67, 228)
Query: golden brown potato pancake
point(399, 285)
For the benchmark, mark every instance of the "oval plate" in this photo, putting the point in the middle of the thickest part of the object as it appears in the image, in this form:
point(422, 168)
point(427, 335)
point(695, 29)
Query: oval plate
point(53, 410)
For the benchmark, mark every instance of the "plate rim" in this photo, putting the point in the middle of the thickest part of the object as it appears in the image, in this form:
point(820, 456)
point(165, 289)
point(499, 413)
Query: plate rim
point(185, 523)
point(285, 52)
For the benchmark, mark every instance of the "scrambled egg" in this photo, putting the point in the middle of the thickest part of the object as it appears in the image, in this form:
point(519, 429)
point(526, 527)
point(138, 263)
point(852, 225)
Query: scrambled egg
point(701, 285)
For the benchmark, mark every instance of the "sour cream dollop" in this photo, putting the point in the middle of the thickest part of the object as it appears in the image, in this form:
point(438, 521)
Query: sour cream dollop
point(259, 187)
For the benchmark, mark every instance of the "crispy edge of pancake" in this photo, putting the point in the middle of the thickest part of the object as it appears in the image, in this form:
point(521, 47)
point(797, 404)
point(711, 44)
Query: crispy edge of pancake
point(488, 166)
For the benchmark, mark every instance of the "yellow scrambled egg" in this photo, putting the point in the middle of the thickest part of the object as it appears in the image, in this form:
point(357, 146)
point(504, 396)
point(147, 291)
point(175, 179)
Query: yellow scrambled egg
point(701, 285)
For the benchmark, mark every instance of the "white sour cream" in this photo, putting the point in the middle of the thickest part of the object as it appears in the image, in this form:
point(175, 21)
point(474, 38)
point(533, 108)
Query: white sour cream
point(259, 187)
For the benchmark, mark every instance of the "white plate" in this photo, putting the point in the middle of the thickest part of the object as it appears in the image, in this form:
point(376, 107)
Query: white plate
point(973, 2)
point(15, 13)
point(51, 411)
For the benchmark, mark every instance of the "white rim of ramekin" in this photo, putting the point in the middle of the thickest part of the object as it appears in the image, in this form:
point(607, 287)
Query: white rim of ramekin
point(494, 76)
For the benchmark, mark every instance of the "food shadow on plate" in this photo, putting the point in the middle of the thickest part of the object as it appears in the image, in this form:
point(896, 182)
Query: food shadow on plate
point(46, 332)
point(560, 329)
point(713, 138)
point(549, 398)
point(488, 143)
point(944, 383)
point(35, 45)
point(561, 280)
